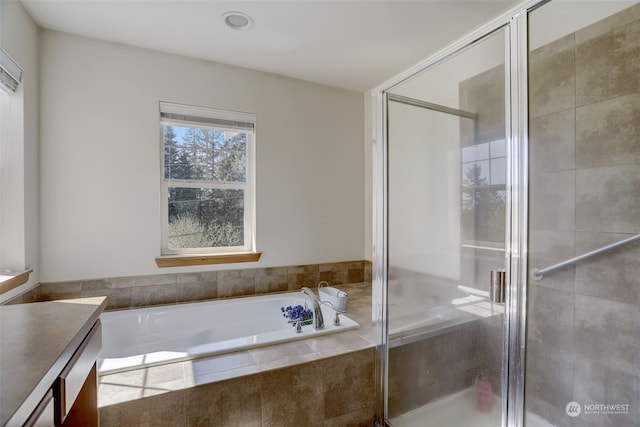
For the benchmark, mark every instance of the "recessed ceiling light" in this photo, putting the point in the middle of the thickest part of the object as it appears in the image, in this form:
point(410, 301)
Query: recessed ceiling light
point(238, 20)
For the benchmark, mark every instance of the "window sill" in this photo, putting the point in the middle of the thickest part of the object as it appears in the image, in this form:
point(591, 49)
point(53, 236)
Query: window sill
point(187, 260)
point(11, 281)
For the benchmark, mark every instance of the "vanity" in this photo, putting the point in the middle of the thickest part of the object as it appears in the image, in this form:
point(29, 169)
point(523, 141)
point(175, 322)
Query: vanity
point(48, 353)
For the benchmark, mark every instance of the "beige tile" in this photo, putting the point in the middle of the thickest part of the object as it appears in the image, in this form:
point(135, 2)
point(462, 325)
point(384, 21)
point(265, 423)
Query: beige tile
point(197, 286)
point(333, 266)
point(32, 295)
point(608, 199)
point(116, 297)
point(272, 283)
point(197, 291)
point(334, 278)
point(161, 374)
point(595, 319)
point(220, 363)
point(552, 142)
point(303, 269)
point(339, 343)
point(355, 264)
point(551, 319)
point(552, 201)
point(355, 275)
point(109, 283)
point(154, 280)
point(222, 375)
point(168, 409)
point(298, 280)
point(283, 354)
point(549, 374)
point(296, 360)
point(270, 271)
point(290, 396)
point(597, 382)
point(143, 382)
point(483, 94)
point(607, 66)
point(552, 77)
point(227, 403)
point(153, 295)
point(550, 411)
point(232, 283)
point(60, 290)
point(547, 248)
point(615, 275)
point(367, 273)
point(608, 132)
point(618, 20)
point(348, 383)
point(359, 418)
point(113, 392)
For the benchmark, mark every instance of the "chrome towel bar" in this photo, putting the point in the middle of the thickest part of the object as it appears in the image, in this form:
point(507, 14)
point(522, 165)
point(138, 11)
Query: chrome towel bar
point(538, 273)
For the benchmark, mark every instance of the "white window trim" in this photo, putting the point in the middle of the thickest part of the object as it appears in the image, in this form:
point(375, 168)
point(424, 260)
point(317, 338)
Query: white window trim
point(248, 187)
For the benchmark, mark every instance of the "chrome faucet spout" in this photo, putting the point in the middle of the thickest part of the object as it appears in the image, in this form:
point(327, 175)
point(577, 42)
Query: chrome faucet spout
point(318, 319)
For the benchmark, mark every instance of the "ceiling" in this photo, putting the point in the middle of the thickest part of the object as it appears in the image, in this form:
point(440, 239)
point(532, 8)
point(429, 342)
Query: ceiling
point(351, 44)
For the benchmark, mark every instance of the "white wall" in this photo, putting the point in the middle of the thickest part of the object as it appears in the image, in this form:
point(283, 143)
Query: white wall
point(19, 186)
point(369, 121)
point(424, 191)
point(100, 167)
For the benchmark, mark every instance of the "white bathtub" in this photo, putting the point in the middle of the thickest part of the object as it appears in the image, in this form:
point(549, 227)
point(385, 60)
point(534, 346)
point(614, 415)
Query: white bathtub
point(155, 335)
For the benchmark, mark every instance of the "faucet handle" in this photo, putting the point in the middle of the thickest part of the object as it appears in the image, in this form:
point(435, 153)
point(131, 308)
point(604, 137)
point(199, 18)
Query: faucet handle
point(336, 320)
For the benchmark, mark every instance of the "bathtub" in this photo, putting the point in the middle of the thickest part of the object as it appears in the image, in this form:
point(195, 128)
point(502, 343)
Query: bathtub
point(135, 338)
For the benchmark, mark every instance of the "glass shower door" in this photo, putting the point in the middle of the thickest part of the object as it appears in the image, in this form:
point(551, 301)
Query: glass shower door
point(447, 199)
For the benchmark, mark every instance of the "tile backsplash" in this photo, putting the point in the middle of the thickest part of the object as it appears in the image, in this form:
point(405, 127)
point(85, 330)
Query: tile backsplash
point(169, 288)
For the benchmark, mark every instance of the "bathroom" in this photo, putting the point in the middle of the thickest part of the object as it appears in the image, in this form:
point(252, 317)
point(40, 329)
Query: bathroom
point(93, 228)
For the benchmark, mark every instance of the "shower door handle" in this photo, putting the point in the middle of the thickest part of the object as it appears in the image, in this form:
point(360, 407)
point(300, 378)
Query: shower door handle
point(497, 285)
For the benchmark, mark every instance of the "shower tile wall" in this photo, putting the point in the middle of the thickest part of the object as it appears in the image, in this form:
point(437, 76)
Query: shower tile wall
point(444, 363)
point(431, 368)
point(584, 320)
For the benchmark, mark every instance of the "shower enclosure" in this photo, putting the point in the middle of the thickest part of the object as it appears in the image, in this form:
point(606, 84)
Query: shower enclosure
point(507, 210)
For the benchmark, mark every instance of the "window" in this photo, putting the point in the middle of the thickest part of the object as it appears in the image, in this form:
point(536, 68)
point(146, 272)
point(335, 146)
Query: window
point(207, 180)
point(13, 262)
point(484, 175)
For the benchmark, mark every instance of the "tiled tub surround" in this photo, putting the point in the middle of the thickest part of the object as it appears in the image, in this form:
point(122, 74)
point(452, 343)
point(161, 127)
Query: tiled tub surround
point(140, 291)
point(325, 381)
point(583, 342)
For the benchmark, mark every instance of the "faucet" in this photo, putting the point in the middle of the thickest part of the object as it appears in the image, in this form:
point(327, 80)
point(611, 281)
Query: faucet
point(318, 319)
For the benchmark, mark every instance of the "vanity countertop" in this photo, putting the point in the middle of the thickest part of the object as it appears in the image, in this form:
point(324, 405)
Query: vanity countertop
point(37, 340)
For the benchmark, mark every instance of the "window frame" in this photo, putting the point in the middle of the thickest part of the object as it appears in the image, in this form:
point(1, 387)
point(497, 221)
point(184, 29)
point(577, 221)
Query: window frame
point(474, 243)
point(207, 115)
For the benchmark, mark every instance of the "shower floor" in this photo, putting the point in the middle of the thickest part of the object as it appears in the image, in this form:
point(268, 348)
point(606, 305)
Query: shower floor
point(458, 410)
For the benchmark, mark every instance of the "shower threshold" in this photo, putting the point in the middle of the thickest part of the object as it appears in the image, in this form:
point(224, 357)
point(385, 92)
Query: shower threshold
point(458, 410)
